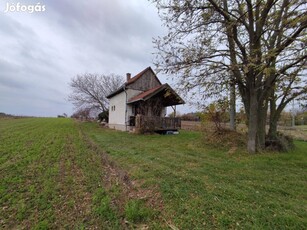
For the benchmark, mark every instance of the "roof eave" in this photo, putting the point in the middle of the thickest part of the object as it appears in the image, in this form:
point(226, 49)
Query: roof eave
point(119, 90)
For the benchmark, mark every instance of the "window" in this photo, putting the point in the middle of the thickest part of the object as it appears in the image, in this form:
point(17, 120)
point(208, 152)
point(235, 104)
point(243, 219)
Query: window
point(113, 108)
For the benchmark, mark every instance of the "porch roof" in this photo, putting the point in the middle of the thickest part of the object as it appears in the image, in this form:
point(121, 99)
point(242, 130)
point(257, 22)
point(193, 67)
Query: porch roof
point(169, 96)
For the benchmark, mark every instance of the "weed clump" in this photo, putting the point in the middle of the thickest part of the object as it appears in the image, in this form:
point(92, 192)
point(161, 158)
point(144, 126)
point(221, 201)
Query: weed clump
point(223, 138)
point(280, 143)
point(136, 211)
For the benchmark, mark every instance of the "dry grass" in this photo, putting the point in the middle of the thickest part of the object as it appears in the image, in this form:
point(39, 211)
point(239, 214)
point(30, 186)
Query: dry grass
point(223, 138)
point(191, 125)
point(297, 133)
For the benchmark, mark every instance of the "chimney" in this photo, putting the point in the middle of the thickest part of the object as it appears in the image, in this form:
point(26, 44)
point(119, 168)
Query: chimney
point(128, 76)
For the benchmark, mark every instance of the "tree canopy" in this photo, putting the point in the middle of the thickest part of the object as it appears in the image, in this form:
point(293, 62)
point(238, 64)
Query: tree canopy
point(258, 45)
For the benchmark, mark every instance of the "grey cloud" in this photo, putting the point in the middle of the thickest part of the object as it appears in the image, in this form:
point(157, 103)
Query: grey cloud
point(8, 71)
point(107, 26)
point(10, 83)
point(42, 51)
point(11, 28)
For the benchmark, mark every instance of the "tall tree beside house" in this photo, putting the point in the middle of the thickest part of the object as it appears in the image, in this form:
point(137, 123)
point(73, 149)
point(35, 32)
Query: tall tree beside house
point(89, 91)
point(256, 43)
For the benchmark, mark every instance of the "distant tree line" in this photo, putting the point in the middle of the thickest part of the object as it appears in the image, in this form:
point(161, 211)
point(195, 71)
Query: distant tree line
point(5, 115)
point(214, 113)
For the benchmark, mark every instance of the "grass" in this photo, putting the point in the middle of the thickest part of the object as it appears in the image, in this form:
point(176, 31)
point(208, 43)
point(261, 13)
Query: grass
point(136, 211)
point(205, 187)
point(49, 178)
point(54, 175)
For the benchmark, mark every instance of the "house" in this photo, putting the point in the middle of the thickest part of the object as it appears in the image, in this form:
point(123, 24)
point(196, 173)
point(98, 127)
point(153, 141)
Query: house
point(141, 100)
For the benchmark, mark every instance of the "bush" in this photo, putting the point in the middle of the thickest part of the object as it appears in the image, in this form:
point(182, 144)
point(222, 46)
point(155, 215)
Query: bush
point(280, 143)
point(104, 116)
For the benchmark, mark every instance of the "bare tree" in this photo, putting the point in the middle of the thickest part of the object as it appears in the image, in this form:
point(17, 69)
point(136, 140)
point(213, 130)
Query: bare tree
point(82, 114)
point(89, 91)
point(257, 41)
point(290, 86)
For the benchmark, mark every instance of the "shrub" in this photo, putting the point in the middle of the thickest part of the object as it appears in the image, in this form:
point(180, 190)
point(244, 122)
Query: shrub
point(104, 116)
point(280, 143)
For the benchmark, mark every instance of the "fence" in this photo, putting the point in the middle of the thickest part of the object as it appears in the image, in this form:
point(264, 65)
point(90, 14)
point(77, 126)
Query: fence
point(150, 124)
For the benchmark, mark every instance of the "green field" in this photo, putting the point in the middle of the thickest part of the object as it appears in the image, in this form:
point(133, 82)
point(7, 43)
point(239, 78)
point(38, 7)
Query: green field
point(58, 173)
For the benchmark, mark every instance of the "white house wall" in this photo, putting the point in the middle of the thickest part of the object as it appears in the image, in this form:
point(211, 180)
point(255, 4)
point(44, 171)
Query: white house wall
point(117, 109)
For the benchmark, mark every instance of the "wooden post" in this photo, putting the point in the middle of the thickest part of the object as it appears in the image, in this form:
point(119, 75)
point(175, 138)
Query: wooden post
point(138, 123)
point(174, 108)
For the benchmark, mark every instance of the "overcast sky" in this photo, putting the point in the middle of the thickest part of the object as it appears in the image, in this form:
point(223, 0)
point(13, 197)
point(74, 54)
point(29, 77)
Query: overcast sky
point(41, 51)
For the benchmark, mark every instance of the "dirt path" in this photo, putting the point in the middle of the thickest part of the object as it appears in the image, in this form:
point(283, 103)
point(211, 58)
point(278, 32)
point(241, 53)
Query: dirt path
point(115, 177)
point(74, 201)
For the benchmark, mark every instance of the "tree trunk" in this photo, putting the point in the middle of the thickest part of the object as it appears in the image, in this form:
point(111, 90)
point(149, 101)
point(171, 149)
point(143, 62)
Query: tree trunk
point(273, 117)
point(261, 132)
point(232, 109)
point(252, 123)
point(273, 128)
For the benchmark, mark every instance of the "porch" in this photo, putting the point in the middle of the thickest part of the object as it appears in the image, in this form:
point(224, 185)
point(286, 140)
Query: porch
point(162, 125)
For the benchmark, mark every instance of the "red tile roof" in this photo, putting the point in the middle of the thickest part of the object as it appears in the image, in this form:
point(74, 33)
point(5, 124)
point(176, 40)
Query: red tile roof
point(143, 95)
point(171, 98)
